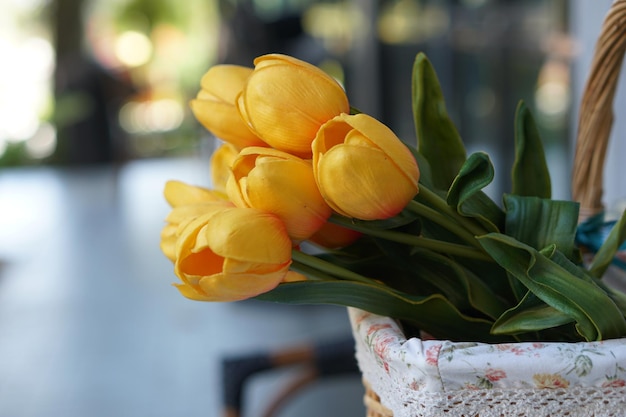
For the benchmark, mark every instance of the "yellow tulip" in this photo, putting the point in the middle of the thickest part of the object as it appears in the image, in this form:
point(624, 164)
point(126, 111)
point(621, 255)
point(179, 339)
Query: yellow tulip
point(362, 168)
point(187, 202)
point(215, 109)
point(286, 100)
point(232, 254)
point(221, 162)
point(279, 183)
point(179, 217)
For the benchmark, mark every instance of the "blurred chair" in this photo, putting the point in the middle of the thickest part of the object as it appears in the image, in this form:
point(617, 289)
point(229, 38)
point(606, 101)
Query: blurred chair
point(316, 362)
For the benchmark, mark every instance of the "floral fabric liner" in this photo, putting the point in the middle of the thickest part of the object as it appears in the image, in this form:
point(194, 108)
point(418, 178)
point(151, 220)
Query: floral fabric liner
point(417, 369)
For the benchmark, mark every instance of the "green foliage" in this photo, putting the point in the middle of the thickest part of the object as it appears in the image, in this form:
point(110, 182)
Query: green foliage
point(530, 173)
point(437, 136)
point(432, 312)
point(454, 263)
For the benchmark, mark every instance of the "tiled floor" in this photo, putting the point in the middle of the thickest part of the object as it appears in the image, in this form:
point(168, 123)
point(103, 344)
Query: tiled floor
point(89, 324)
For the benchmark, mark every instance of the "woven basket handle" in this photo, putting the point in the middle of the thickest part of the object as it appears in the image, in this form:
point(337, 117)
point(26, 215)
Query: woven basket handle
point(595, 118)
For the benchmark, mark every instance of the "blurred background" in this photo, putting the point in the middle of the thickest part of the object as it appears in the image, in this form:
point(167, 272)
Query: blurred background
point(94, 118)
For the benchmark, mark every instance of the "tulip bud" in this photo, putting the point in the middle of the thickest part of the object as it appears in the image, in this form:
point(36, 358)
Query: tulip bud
point(286, 100)
point(279, 183)
point(232, 254)
point(362, 168)
point(221, 163)
point(215, 109)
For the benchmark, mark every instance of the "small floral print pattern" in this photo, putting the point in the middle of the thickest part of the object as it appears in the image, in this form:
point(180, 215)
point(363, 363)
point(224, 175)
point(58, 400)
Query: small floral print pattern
point(495, 375)
point(439, 365)
point(432, 355)
point(550, 381)
point(614, 382)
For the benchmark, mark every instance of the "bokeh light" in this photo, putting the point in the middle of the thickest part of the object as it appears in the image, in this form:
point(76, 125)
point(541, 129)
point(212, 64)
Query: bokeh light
point(133, 48)
point(25, 91)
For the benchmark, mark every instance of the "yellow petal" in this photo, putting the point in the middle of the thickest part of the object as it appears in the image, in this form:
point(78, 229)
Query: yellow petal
point(178, 193)
point(385, 139)
point(368, 188)
point(168, 241)
point(282, 184)
point(225, 81)
point(221, 163)
point(249, 235)
point(288, 189)
point(192, 293)
point(286, 100)
point(187, 235)
point(180, 213)
point(293, 276)
point(224, 121)
point(235, 287)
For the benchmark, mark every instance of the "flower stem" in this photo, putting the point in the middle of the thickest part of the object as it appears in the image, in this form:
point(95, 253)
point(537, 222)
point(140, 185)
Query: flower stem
point(327, 268)
point(416, 241)
point(440, 205)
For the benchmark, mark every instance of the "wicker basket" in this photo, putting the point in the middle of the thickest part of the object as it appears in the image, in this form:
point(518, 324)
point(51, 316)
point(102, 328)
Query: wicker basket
point(594, 127)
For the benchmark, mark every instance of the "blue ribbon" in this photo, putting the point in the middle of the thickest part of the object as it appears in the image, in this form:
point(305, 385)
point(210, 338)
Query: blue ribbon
point(593, 232)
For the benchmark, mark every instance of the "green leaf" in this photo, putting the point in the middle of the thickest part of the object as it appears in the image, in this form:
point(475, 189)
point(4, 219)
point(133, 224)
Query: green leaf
point(603, 258)
point(596, 315)
point(530, 315)
point(426, 176)
point(618, 297)
point(540, 222)
point(467, 197)
point(437, 137)
point(530, 174)
point(433, 314)
point(475, 290)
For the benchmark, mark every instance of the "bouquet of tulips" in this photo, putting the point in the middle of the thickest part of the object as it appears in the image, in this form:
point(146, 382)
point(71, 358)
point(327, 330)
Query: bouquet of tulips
point(314, 202)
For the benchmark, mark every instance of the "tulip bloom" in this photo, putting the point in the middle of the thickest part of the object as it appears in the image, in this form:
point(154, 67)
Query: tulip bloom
point(362, 169)
point(286, 100)
point(188, 202)
point(221, 162)
point(282, 184)
point(232, 254)
point(215, 109)
point(179, 217)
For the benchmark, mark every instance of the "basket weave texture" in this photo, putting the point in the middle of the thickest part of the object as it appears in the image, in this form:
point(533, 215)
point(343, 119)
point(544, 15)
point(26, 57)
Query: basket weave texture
point(603, 400)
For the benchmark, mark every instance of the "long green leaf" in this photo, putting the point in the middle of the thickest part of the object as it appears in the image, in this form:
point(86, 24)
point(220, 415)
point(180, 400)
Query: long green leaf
point(530, 315)
point(437, 137)
point(618, 297)
point(530, 174)
point(480, 296)
point(540, 222)
point(609, 248)
point(423, 277)
point(466, 195)
point(597, 317)
point(433, 314)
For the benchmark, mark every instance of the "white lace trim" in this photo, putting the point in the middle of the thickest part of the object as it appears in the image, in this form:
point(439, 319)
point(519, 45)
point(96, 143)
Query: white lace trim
point(573, 402)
